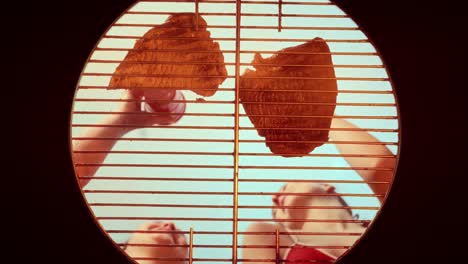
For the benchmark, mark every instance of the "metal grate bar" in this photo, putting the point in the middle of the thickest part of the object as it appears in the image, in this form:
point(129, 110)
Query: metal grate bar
point(227, 153)
point(243, 51)
point(321, 142)
point(280, 14)
point(256, 194)
point(227, 115)
point(230, 260)
point(245, 193)
point(239, 233)
point(220, 246)
point(241, 141)
point(315, 194)
point(231, 102)
point(242, 39)
point(183, 259)
point(161, 205)
point(229, 206)
point(233, 76)
point(300, 261)
point(153, 165)
point(242, 2)
point(303, 220)
point(228, 128)
point(244, 89)
point(164, 218)
point(225, 180)
point(320, 155)
point(154, 152)
point(156, 192)
point(316, 168)
point(236, 137)
point(228, 167)
point(316, 181)
point(243, 14)
point(137, 100)
point(150, 126)
point(219, 219)
point(233, 64)
point(325, 129)
point(243, 27)
point(159, 139)
point(191, 228)
point(147, 114)
point(149, 87)
point(153, 179)
point(196, 15)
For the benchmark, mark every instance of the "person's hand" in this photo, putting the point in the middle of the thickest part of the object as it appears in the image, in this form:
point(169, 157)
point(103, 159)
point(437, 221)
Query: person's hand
point(130, 112)
point(162, 242)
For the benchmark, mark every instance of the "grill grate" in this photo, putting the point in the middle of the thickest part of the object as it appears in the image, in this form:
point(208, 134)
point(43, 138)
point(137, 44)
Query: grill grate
point(173, 172)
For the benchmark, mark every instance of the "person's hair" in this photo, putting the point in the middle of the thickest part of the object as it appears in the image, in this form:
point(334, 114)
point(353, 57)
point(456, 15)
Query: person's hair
point(365, 223)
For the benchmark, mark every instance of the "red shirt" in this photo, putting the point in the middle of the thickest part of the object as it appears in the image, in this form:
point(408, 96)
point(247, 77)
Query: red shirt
point(299, 254)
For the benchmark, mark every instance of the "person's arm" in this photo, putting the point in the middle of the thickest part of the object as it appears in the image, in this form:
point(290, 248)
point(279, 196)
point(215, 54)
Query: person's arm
point(82, 160)
point(367, 162)
point(133, 117)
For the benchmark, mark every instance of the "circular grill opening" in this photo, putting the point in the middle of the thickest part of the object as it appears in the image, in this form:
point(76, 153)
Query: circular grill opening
point(176, 170)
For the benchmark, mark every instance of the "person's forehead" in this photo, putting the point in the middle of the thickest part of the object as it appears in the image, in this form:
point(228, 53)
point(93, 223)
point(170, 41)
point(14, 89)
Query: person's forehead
point(311, 185)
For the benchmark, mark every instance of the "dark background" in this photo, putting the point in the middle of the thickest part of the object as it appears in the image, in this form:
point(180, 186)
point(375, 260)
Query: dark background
point(417, 41)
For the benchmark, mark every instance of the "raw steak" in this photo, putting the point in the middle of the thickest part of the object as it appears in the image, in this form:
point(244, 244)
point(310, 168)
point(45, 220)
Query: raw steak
point(149, 57)
point(267, 96)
